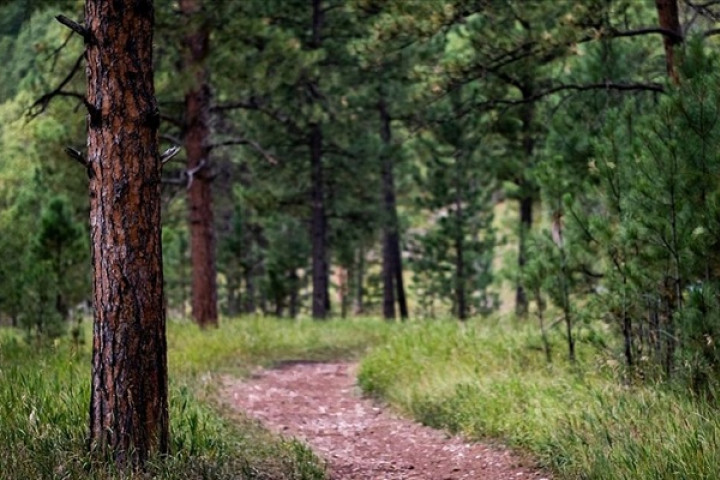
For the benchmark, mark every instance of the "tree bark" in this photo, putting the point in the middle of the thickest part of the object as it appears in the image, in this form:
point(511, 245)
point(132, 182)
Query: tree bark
point(197, 148)
point(526, 202)
point(392, 257)
point(320, 283)
point(318, 229)
point(460, 281)
point(526, 205)
point(359, 307)
point(294, 306)
point(128, 405)
point(669, 19)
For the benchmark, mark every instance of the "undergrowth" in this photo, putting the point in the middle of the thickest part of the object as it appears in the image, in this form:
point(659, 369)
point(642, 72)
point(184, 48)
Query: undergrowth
point(44, 395)
point(488, 379)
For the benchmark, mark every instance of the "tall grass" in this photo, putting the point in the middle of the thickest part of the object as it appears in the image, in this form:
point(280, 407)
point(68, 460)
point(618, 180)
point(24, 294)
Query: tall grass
point(44, 394)
point(491, 380)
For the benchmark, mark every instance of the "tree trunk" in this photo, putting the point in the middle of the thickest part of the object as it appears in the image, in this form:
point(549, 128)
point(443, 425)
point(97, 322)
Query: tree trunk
point(320, 294)
point(388, 274)
point(249, 297)
point(294, 306)
point(128, 405)
point(669, 19)
point(318, 221)
point(526, 205)
point(359, 307)
point(197, 148)
point(460, 282)
point(392, 257)
point(526, 201)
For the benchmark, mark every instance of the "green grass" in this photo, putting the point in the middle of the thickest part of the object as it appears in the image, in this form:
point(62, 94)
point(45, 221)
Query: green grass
point(485, 379)
point(44, 393)
point(242, 344)
point(488, 379)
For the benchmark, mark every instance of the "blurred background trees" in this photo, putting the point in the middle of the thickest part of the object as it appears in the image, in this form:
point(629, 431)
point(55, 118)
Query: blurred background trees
point(405, 158)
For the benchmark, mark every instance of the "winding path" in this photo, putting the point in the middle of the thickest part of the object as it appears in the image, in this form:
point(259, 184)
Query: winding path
point(320, 404)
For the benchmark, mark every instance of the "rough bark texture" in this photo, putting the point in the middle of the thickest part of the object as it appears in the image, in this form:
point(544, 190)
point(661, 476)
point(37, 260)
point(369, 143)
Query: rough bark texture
point(197, 148)
point(128, 405)
point(392, 258)
point(669, 19)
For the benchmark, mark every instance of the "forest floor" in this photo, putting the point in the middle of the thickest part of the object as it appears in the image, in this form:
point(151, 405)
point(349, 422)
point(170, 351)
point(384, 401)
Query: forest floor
point(320, 404)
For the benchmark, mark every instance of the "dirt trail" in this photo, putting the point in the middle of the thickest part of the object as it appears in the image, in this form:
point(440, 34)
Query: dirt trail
point(320, 404)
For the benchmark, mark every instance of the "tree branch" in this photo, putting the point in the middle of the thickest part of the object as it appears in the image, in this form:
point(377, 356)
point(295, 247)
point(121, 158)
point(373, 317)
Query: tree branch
point(645, 31)
point(252, 143)
point(640, 87)
point(186, 176)
point(168, 154)
point(41, 104)
point(191, 172)
point(170, 139)
point(257, 105)
point(77, 156)
point(171, 120)
point(74, 26)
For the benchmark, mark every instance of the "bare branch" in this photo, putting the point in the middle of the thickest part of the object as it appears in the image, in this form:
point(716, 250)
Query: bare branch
point(170, 138)
point(186, 176)
point(251, 143)
point(645, 31)
point(259, 106)
point(174, 181)
point(77, 156)
point(41, 104)
point(172, 120)
point(168, 154)
point(191, 172)
point(640, 87)
point(252, 104)
point(74, 26)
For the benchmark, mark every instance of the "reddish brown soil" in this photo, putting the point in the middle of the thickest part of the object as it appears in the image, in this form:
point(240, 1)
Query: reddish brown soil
point(320, 404)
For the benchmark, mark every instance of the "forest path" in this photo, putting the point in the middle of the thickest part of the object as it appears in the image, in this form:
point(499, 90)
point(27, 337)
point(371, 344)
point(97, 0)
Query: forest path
point(320, 404)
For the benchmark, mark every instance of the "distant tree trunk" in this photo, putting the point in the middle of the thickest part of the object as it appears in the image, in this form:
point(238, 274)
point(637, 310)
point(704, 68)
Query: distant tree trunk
point(232, 294)
point(129, 404)
point(460, 281)
point(318, 221)
point(388, 273)
point(294, 305)
point(182, 251)
point(526, 203)
point(359, 307)
point(320, 283)
point(197, 148)
point(249, 297)
point(248, 262)
point(279, 304)
point(392, 257)
point(669, 19)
